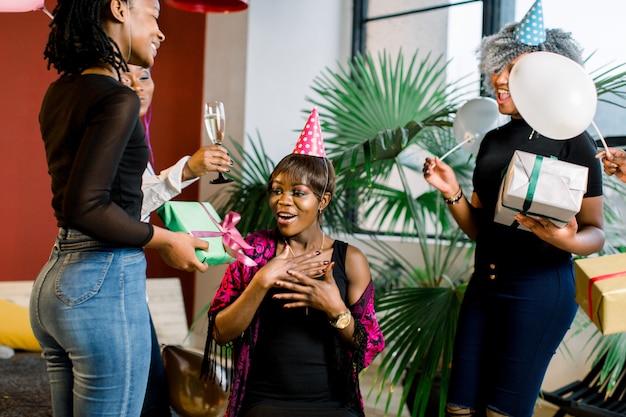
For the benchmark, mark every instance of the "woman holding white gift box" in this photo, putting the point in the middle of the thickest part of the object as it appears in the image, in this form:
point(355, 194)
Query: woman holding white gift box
point(520, 300)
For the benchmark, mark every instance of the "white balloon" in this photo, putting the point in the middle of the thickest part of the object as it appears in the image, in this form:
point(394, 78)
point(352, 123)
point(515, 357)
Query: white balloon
point(21, 5)
point(554, 94)
point(473, 120)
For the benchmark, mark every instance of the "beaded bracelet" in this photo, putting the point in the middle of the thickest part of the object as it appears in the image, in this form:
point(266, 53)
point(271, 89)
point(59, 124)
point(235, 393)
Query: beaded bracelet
point(455, 199)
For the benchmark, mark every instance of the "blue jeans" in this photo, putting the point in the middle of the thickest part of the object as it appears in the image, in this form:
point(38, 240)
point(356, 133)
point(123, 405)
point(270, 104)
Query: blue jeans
point(509, 329)
point(89, 313)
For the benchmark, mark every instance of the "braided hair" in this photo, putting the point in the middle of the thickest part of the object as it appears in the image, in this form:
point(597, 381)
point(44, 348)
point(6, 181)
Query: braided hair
point(77, 40)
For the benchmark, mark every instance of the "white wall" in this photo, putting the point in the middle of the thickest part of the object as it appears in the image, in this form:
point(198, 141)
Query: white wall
point(290, 42)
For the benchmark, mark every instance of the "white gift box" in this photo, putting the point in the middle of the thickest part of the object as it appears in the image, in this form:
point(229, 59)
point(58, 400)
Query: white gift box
point(536, 185)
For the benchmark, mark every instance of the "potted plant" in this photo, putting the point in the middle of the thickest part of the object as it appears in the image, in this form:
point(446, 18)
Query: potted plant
point(386, 106)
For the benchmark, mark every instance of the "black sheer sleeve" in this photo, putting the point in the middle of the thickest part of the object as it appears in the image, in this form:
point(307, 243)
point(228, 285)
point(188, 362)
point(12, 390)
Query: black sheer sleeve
point(103, 193)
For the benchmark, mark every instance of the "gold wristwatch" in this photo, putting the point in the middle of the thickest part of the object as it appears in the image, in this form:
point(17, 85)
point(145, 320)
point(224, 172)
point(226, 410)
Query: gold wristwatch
point(341, 321)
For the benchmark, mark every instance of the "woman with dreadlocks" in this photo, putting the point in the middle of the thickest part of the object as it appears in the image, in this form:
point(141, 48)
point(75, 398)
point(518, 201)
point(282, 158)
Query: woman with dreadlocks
point(88, 304)
point(519, 302)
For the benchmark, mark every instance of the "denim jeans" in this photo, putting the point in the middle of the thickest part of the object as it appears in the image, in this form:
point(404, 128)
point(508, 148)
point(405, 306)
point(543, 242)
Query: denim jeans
point(509, 329)
point(89, 313)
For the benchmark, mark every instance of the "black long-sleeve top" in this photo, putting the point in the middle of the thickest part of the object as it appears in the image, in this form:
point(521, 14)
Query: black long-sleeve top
point(96, 152)
point(510, 247)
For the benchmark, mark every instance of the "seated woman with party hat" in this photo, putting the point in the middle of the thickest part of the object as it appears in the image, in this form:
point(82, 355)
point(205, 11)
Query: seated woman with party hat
point(519, 302)
point(301, 323)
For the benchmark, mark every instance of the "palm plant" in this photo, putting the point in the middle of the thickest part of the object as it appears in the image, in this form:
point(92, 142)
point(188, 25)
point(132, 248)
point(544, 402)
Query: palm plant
point(613, 345)
point(247, 194)
point(371, 112)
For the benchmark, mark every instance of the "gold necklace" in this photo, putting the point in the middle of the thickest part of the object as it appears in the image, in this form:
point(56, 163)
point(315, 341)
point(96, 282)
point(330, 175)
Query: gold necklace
point(293, 255)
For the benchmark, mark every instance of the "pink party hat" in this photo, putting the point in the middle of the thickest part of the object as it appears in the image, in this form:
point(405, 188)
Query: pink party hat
point(530, 30)
point(310, 141)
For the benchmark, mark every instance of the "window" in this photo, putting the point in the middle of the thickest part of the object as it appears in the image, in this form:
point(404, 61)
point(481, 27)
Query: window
point(454, 29)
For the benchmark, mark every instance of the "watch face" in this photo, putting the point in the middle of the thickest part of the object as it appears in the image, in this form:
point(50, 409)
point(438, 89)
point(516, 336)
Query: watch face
point(343, 321)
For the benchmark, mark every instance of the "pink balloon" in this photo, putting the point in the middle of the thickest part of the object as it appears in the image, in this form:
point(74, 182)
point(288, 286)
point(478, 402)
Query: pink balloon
point(21, 5)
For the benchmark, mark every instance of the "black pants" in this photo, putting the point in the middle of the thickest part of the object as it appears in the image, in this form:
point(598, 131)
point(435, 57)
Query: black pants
point(289, 410)
point(156, 403)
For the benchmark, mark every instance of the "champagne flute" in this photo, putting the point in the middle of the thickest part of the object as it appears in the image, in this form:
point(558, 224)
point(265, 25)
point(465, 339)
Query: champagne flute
point(215, 123)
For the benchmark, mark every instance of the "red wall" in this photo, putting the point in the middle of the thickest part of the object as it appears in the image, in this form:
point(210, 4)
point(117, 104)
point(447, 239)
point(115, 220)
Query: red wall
point(26, 219)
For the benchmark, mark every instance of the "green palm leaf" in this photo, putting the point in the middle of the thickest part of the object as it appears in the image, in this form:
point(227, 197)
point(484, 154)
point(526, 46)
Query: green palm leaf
point(247, 194)
point(372, 110)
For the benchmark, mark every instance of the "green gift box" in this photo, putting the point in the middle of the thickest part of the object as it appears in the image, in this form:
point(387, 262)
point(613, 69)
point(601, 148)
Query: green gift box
point(197, 219)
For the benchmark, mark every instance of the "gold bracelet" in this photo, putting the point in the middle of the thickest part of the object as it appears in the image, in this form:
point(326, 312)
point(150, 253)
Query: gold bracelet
point(455, 199)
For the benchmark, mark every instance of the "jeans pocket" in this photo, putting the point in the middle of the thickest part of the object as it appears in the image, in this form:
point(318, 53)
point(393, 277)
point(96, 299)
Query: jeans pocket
point(81, 276)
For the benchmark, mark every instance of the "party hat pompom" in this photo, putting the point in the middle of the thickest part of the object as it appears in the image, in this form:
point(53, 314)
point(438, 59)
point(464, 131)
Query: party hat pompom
point(310, 141)
point(530, 30)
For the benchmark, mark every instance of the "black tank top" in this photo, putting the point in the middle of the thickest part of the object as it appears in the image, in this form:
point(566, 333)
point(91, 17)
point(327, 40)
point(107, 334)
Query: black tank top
point(290, 361)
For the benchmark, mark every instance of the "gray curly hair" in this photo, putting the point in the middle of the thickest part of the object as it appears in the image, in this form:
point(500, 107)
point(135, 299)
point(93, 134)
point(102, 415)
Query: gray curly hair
point(496, 51)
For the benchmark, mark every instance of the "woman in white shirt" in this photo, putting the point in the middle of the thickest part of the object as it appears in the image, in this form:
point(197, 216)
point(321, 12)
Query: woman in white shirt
point(162, 187)
point(157, 189)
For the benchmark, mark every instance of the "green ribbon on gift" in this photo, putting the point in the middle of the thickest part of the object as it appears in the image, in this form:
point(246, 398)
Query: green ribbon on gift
point(530, 194)
point(532, 185)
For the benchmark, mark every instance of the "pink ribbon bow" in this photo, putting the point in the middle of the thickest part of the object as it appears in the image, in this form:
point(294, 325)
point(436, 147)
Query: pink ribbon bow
point(231, 238)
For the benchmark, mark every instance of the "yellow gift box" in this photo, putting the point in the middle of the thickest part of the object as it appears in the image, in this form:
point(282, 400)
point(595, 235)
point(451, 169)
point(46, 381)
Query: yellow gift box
point(601, 291)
